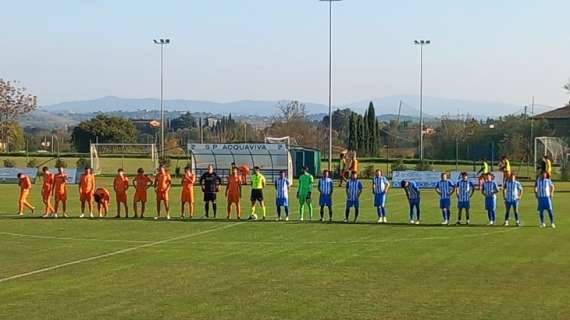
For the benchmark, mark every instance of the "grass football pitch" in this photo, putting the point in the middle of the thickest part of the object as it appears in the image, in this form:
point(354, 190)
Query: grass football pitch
point(214, 269)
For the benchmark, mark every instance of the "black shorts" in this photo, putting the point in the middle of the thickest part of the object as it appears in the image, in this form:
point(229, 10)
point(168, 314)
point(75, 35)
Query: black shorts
point(256, 195)
point(209, 196)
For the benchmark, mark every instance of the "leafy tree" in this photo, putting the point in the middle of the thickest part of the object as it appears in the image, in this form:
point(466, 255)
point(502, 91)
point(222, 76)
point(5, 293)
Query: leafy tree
point(104, 129)
point(185, 121)
point(14, 103)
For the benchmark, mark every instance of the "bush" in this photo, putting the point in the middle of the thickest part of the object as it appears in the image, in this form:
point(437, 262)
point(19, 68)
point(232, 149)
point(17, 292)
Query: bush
point(399, 165)
point(424, 166)
point(83, 163)
point(60, 163)
point(9, 163)
point(368, 172)
point(32, 163)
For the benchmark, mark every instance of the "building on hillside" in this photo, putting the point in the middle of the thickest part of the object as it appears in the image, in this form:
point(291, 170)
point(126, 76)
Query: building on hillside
point(558, 120)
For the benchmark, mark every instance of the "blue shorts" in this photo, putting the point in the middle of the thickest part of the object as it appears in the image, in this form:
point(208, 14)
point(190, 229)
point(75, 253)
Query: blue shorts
point(512, 204)
point(490, 203)
point(379, 199)
point(544, 203)
point(325, 200)
point(353, 204)
point(282, 202)
point(444, 203)
point(464, 204)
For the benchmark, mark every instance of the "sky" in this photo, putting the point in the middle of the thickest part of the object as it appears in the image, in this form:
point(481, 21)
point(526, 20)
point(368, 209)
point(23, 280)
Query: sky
point(227, 50)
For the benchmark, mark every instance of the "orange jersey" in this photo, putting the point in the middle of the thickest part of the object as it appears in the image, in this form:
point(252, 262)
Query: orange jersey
point(86, 184)
point(60, 186)
point(234, 188)
point(188, 188)
point(142, 182)
point(121, 184)
point(103, 194)
point(25, 183)
point(162, 182)
point(47, 185)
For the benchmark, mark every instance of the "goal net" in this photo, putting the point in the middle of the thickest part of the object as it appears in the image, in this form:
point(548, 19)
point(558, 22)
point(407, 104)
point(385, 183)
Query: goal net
point(555, 148)
point(106, 158)
point(284, 140)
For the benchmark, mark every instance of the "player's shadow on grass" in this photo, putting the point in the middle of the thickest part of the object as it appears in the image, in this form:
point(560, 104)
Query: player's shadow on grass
point(268, 221)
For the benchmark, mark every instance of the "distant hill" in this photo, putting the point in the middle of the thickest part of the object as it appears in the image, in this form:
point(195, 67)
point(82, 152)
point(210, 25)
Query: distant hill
point(434, 107)
point(244, 107)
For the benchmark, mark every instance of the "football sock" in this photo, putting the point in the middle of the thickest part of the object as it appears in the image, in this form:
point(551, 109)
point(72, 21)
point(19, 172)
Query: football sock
point(330, 213)
point(302, 209)
point(278, 211)
point(310, 205)
point(215, 208)
point(551, 215)
point(207, 209)
point(346, 213)
point(322, 212)
point(383, 212)
point(356, 213)
point(379, 212)
point(264, 210)
point(287, 211)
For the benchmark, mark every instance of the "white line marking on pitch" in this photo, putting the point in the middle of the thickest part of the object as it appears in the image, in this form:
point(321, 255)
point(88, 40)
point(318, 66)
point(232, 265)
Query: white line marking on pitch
point(20, 235)
point(114, 253)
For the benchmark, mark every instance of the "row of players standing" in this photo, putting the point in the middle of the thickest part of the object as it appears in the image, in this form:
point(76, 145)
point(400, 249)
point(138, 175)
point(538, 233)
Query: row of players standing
point(210, 182)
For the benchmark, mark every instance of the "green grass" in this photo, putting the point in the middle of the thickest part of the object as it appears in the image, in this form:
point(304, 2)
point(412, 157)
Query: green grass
point(268, 270)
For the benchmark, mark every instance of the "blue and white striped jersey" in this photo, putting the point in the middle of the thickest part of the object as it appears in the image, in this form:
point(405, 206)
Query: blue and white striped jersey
point(544, 187)
point(464, 190)
point(380, 184)
point(445, 188)
point(354, 188)
point(413, 191)
point(326, 186)
point(282, 187)
point(513, 190)
point(490, 188)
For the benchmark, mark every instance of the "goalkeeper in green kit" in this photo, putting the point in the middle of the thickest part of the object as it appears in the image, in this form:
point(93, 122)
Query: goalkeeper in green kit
point(304, 193)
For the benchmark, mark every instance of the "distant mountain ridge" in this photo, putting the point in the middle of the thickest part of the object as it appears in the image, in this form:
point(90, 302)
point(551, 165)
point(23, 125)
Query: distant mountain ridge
point(387, 105)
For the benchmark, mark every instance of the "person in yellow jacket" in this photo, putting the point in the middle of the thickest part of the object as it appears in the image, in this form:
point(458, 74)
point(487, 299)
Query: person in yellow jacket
point(483, 171)
point(257, 185)
point(505, 167)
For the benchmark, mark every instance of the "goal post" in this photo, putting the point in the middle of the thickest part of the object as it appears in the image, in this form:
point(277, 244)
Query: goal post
point(555, 148)
point(106, 158)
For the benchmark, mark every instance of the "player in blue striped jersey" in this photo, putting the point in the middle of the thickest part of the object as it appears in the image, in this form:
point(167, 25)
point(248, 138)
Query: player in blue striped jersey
point(544, 191)
point(445, 189)
point(413, 195)
point(512, 193)
point(326, 191)
point(353, 191)
point(464, 190)
point(490, 189)
point(282, 185)
point(380, 188)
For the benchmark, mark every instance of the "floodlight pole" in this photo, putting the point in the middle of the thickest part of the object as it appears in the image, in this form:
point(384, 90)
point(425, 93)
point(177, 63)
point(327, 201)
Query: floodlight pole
point(162, 43)
point(330, 80)
point(421, 44)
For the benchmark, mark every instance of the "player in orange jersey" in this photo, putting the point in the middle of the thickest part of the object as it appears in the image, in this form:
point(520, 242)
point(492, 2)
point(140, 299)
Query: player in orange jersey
point(121, 185)
point(233, 193)
point(47, 187)
point(86, 190)
point(60, 191)
point(102, 198)
point(162, 184)
point(25, 187)
point(187, 196)
point(141, 182)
